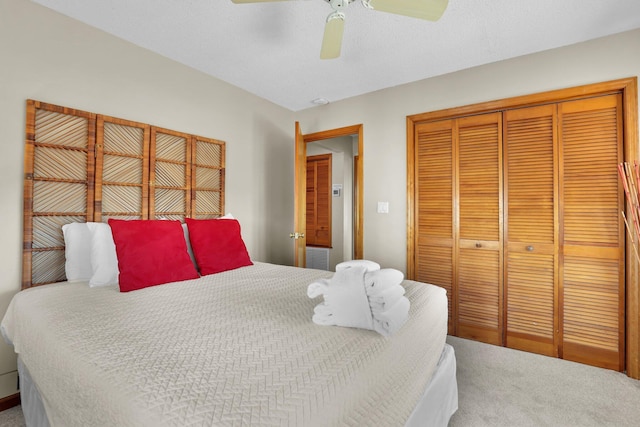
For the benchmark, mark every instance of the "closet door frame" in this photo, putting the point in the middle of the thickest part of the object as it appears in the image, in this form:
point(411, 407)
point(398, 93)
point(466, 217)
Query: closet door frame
point(628, 89)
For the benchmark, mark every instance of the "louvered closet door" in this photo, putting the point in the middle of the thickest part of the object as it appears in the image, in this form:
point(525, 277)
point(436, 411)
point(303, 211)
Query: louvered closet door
point(530, 251)
point(311, 202)
point(434, 204)
point(323, 202)
point(122, 169)
point(479, 260)
point(593, 236)
point(319, 200)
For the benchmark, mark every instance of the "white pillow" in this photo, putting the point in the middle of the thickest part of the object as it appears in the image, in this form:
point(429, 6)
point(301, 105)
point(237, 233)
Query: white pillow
point(77, 252)
point(104, 261)
point(185, 230)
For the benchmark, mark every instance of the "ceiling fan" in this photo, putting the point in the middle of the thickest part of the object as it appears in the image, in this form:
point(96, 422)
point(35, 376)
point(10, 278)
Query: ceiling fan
point(431, 10)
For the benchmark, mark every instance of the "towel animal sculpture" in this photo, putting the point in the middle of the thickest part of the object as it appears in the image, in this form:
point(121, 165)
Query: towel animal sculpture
point(361, 295)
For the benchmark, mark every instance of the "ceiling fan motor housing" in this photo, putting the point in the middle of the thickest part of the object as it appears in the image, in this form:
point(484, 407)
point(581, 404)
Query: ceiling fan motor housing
point(339, 4)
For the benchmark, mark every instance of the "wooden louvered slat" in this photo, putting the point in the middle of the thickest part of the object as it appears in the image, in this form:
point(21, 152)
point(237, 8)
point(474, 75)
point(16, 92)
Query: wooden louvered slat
point(436, 267)
point(592, 292)
point(591, 311)
point(58, 185)
point(123, 138)
point(61, 127)
point(170, 175)
point(478, 295)
point(171, 146)
point(434, 193)
point(434, 180)
point(311, 203)
point(64, 164)
point(531, 253)
point(170, 202)
point(48, 266)
point(531, 308)
point(479, 264)
point(318, 200)
point(122, 169)
point(207, 178)
point(121, 200)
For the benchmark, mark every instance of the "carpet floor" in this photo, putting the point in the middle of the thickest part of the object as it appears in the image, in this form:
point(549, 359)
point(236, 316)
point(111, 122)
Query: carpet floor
point(498, 386)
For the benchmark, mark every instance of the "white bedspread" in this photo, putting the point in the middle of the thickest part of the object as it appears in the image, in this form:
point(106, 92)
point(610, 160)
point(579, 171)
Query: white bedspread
point(235, 348)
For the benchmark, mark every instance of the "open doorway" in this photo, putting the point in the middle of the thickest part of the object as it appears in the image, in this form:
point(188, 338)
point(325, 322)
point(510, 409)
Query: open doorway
point(345, 144)
point(330, 201)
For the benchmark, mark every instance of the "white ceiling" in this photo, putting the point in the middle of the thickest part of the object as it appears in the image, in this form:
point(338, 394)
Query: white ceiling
point(272, 49)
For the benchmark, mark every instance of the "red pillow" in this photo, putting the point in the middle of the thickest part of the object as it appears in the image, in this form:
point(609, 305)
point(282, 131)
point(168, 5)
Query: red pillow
point(150, 252)
point(217, 245)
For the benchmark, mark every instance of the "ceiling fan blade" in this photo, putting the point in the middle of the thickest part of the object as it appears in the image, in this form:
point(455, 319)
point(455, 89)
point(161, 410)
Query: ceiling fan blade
point(431, 10)
point(254, 1)
point(332, 40)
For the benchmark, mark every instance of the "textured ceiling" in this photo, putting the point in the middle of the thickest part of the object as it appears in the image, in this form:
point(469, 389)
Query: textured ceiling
point(272, 49)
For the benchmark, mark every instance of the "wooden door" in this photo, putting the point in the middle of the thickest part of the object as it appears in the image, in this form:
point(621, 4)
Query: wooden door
point(571, 291)
point(434, 229)
point(531, 290)
point(592, 234)
point(300, 196)
point(319, 201)
point(478, 213)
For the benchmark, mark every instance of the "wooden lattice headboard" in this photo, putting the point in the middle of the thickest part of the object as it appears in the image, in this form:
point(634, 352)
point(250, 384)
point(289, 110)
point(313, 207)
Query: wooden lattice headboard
point(82, 166)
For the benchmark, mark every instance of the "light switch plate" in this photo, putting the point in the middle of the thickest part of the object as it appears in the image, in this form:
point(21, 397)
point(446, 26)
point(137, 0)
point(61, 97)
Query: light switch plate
point(383, 207)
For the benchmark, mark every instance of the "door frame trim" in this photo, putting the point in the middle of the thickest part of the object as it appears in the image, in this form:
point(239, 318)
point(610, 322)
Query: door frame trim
point(358, 223)
point(628, 88)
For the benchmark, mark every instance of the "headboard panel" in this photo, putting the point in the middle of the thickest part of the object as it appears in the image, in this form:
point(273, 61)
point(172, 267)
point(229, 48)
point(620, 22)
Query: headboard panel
point(122, 169)
point(58, 184)
point(81, 166)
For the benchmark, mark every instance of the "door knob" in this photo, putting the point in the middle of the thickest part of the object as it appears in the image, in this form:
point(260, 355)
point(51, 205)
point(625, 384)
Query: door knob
point(296, 235)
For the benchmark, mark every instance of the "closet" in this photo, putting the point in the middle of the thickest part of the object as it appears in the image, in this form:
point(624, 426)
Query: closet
point(515, 211)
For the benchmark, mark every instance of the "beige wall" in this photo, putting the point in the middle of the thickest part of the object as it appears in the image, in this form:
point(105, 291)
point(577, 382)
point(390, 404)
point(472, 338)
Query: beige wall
point(51, 58)
point(383, 115)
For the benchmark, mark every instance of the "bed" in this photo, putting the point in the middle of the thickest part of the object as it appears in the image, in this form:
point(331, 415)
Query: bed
point(155, 315)
point(233, 348)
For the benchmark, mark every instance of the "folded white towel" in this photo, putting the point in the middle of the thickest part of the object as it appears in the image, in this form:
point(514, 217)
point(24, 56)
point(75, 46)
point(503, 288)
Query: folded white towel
point(369, 265)
point(345, 300)
point(389, 307)
point(361, 295)
point(390, 321)
point(317, 288)
point(386, 299)
point(377, 282)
